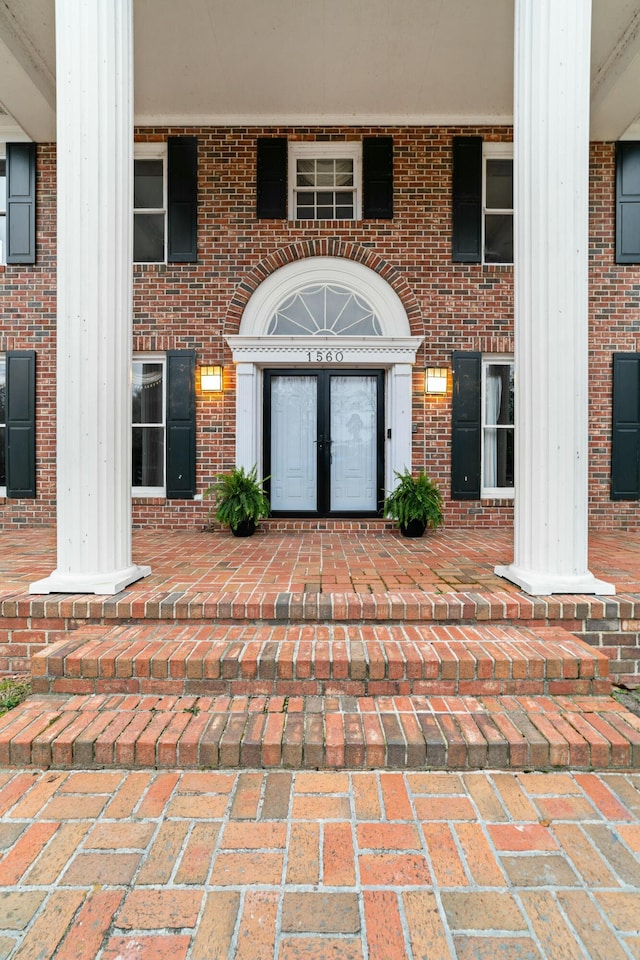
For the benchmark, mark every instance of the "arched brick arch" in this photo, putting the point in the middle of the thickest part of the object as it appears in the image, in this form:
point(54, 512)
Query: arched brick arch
point(327, 247)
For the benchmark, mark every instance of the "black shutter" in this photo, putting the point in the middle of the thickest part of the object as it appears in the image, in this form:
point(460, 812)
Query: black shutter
point(21, 423)
point(467, 199)
point(625, 434)
point(377, 178)
point(183, 199)
point(628, 202)
point(272, 178)
point(181, 424)
point(21, 203)
point(466, 427)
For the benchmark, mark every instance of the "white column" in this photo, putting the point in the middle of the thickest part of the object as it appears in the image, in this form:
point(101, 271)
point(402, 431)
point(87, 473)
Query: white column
point(551, 108)
point(94, 51)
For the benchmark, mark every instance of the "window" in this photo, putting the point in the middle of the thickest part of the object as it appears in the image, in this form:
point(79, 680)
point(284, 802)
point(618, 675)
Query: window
point(149, 203)
point(497, 202)
point(148, 426)
point(497, 427)
point(3, 424)
point(325, 310)
point(3, 205)
point(325, 181)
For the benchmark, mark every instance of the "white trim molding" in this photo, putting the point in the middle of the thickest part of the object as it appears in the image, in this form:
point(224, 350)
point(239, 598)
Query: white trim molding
point(395, 352)
point(361, 280)
point(325, 150)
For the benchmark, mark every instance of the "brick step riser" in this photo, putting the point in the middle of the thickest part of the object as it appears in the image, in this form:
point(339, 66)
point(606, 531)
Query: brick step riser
point(71, 686)
point(21, 639)
point(301, 661)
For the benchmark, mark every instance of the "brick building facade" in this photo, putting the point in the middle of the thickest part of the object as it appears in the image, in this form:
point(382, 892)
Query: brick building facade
point(452, 306)
point(326, 214)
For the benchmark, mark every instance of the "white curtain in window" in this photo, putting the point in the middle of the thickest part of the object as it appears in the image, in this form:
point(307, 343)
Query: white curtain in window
point(493, 399)
point(147, 379)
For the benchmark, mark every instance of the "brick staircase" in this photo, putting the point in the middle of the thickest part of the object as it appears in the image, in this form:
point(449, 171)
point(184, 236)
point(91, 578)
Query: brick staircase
point(252, 692)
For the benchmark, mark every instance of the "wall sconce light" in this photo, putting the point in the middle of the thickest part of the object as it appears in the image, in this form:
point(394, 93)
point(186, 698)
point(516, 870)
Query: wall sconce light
point(211, 379)
point(435, 380)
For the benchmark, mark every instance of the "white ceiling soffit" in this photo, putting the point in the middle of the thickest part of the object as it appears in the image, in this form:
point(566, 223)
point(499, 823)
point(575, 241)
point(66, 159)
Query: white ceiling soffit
point(27, 73)
point(615, 73)
point(300, 62)
point(332, 61)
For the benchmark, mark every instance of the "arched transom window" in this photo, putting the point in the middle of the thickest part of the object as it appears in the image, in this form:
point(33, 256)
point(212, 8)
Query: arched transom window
point(324, 310)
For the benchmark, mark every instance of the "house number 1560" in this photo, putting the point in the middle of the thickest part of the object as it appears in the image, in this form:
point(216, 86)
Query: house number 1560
point(325, 356)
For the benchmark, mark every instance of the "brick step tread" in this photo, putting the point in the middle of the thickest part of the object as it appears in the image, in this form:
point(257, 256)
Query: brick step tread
point(321, 660)
point(338, 605)
point(127, 731)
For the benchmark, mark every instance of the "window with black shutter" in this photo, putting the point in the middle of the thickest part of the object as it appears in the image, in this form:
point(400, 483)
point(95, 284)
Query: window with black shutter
point(377, 178)
point(467, 199)
point(181, 424)
point(21, 203)
point(271, 175)
point(182, 246)
point(625, 434)
point(20, 423)
point(466, 426)
point(325, 180)
point(165, 201)
point(628, 202)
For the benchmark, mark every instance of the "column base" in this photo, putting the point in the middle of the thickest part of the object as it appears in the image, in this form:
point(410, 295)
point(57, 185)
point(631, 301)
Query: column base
point(542, 584)
point(105, 583)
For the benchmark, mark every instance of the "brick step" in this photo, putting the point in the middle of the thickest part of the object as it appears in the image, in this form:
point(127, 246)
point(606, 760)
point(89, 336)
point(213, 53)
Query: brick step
point(319, 660)
point(130, 731)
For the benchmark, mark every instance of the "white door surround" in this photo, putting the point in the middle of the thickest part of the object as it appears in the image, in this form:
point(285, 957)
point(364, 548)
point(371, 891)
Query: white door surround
point(393, 349)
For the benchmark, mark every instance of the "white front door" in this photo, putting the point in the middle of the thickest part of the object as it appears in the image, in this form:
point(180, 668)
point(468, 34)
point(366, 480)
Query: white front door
point(293, 472)
point(324, 441)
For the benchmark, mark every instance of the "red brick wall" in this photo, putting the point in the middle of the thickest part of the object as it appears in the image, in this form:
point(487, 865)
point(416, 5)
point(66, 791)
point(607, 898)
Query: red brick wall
point(614, 326)
point(453, 306)
point(28, 311)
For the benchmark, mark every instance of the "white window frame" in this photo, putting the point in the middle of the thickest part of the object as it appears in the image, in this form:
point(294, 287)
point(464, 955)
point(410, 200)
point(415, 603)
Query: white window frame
point(3, 358)
point(153, 358)
point(493, 493)
point(335, 150)
point(3, 212)
point(155, 151)
point(493, 151)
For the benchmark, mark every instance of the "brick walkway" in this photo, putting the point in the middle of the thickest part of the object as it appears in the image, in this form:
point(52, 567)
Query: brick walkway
point(314, 866)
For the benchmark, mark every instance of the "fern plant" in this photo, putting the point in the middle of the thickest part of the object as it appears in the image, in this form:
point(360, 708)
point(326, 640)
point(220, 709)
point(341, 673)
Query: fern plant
point(414, 499)
point(239, 497)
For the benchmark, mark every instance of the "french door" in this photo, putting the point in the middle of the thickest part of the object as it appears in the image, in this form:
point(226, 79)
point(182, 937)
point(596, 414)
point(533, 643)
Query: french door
point(324, 441)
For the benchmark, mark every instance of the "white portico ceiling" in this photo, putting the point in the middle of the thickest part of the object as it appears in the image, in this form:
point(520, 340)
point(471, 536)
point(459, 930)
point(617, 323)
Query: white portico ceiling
point(318, 61)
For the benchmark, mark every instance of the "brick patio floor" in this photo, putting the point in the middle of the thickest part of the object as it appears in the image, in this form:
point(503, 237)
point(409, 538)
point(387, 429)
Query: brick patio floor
point(370, 562)
point(315, 866)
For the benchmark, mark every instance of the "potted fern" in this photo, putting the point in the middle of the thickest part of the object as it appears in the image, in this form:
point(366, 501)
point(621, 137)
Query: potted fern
point(240, 500)
point(416, 503)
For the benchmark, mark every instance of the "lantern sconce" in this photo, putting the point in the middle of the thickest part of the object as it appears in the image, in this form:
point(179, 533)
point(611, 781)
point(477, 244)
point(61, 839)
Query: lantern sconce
point(435, 380)
point(211, 379)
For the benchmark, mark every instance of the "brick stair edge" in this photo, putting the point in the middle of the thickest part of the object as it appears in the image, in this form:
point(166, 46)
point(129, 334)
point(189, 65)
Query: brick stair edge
point(311, 733)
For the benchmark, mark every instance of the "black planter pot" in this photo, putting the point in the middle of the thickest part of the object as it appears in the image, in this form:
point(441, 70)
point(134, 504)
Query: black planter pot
point(246, 528)
point(415, 528)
